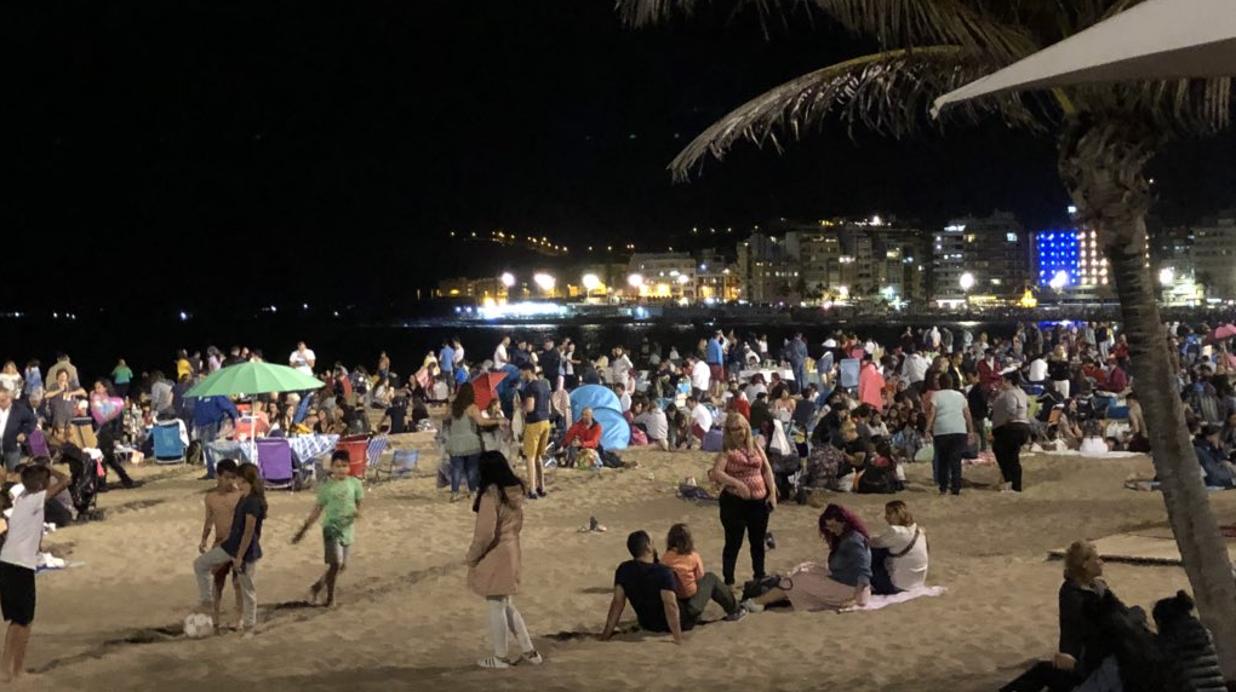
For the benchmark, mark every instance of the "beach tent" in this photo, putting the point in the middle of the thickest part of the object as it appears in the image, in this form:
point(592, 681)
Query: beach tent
point(615, 431)
point(1157, 39)
point(595, 397)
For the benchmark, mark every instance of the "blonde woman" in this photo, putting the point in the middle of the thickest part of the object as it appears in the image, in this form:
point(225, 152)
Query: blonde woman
point(748, 495)
point(1084, 648)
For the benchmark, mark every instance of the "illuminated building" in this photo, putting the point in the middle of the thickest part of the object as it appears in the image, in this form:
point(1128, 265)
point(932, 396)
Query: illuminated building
point(1214, 256)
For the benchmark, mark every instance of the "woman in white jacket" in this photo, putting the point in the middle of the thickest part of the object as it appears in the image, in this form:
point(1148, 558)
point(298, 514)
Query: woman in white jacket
point(899, 555)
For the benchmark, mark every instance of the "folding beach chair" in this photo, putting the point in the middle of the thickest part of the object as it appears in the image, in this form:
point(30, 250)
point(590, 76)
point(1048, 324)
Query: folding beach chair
point(373, 454)
point(274, 460)
point(169, 446)
point(357, 447)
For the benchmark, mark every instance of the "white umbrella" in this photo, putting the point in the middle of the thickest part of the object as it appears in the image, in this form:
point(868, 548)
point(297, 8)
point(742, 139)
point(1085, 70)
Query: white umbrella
point(1157, 39)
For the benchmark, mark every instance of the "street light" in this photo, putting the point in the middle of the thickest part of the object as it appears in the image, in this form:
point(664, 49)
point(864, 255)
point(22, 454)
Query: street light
point(967, 281)
point(545, 282)
point(591, 282)
point(635, 280)
point(508, 279)
point(1167, 276)
point(1059, 281)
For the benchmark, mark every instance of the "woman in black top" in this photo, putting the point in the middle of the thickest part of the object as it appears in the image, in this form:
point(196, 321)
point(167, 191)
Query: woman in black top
point(1083, 644)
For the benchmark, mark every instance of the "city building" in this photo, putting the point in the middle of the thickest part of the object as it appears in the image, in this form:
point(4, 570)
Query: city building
point(765, 271)
point(1213, 255)
point(980, 260)
point(662, 275)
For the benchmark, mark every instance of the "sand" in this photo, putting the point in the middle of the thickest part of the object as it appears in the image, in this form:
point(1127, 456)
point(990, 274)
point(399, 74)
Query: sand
point(405, 617)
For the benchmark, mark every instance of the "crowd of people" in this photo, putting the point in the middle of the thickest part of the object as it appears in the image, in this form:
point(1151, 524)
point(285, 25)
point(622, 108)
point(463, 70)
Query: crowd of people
point(785, 422)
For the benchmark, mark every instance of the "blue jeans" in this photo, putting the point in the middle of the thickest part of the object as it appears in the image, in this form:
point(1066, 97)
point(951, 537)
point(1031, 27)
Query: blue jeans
point(467, 467)
point(207, 434)
point(12, 459)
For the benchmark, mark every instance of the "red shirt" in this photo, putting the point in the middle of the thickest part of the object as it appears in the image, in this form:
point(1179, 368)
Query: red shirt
point(589, 436)
point(742, 406)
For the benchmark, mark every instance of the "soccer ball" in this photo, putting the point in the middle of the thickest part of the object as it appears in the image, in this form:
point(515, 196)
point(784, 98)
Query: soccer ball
point(199, 625)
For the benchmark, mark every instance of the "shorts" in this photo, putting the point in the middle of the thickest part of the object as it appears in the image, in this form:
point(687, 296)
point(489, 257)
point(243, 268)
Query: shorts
point(536, 440)
point(17, 594)
point(334, 552)
point(717, 372)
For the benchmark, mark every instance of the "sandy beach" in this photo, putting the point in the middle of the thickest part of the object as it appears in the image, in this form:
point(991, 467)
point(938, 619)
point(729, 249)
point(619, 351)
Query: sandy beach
point(405, 617)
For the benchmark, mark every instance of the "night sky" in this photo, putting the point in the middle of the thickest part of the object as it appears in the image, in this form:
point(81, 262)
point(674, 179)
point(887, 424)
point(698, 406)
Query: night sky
point(312, 149)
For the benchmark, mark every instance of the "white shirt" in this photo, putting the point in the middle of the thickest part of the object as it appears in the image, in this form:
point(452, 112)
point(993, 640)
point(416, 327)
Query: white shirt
point(620, 367)
point(21, 546)
point(1038, 370)
point(702, 417)
point(4, 417)
point(459, 354)
point(700, 376)
point(625, 402)
point(500, 358)
point(949, 406)
point(915, 368)
point(303, 361)
point(655, 423)
point(910, 570)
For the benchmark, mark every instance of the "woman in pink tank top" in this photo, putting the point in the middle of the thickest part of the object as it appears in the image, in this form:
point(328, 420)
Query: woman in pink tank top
point(748, 495)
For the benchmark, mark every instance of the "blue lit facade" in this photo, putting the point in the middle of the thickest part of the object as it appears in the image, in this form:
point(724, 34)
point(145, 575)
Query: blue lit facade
point(1057, 251)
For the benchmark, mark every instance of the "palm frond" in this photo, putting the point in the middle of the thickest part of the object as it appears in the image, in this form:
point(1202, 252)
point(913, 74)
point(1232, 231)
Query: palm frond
point(641, 13)
point(1183, 107)
point(889, 93)
point(908, 23)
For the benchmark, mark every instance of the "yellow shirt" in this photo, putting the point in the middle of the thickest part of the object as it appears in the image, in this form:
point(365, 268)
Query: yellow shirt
point(182, 368)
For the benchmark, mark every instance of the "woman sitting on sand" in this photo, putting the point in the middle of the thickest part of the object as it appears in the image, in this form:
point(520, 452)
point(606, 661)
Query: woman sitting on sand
point(847, 580)
point(1083, 644)
point(494, 559)
point(899, 555)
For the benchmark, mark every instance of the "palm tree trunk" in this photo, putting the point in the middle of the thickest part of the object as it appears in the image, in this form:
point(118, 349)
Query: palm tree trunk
point(1103, 165)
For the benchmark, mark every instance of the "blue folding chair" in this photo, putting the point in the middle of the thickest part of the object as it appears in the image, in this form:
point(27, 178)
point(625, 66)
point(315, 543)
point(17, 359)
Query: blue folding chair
point(169, 448)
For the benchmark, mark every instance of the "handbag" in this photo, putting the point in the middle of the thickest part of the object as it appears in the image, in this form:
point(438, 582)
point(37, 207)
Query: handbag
point(913, 541)
point(758, 587)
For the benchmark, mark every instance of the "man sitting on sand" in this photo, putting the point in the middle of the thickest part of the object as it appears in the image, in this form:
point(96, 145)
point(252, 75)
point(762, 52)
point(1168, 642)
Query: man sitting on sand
point(583, 440)
point(655, 424)
point(650, 587)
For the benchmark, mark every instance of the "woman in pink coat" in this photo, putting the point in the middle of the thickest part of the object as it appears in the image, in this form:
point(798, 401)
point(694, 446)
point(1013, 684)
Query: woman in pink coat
point(494, 558)
point(871, 384)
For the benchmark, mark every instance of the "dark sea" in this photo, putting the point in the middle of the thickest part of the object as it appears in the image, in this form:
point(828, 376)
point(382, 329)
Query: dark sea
point(95, 344)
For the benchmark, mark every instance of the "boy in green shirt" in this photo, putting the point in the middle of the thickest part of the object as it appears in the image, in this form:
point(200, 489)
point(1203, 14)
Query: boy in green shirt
point(338, 503)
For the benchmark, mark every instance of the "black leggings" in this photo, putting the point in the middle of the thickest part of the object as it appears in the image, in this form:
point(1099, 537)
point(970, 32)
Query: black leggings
point(1006, 443)
point(738, 516)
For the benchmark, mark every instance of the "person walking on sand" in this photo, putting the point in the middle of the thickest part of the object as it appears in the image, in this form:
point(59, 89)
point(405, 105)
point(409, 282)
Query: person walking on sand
point(1010, 421)
point(339, 504)
point(495, 562)
point(18, 560)
point(241, 550)
point(746, 480)
point(220, 505)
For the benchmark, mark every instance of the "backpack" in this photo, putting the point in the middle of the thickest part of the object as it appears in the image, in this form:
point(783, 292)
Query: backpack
point(877, 480)
point(823, 466)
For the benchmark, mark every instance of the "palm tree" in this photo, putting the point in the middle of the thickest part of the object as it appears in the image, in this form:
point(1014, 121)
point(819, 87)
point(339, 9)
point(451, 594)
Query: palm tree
point(1105, 136)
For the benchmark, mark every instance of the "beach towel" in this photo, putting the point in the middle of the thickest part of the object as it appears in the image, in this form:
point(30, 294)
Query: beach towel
point(878, 602)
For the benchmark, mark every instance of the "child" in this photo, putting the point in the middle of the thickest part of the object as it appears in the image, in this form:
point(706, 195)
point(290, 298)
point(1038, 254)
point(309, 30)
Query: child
point(18, 559)
point(242, 548)
point(339, 499)
point(220, 506)
point(693, 586)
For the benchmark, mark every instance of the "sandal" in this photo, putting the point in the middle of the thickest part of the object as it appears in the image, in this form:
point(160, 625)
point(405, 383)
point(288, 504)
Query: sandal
point(534, 657)
point(493, 662)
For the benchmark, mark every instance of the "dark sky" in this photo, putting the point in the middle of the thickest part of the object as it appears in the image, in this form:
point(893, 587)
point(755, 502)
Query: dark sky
point(195, 143)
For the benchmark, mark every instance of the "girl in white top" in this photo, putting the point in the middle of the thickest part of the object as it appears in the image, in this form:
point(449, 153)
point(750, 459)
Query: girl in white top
point(899, 555)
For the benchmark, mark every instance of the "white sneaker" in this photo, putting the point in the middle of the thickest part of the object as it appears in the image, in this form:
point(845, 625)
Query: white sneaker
point(752, 607)
point(493, 662)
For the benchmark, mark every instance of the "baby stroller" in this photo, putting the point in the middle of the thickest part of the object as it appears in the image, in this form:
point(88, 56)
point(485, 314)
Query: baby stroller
point(83, 479)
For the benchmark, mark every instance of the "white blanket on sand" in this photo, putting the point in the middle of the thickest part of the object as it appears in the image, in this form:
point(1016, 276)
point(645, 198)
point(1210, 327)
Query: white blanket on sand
point(878, 602)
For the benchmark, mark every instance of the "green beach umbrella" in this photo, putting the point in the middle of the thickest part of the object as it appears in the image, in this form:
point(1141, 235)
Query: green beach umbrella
point(253, 378)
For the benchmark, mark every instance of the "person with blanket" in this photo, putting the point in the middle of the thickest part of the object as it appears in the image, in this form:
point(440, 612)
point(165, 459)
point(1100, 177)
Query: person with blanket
point(583, 440)
point(847, 581)
point(899, 555)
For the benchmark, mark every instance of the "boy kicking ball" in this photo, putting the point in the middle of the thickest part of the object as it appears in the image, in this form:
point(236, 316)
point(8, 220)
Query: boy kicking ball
point(220, 505)
point(18, 559)
point(338, 504)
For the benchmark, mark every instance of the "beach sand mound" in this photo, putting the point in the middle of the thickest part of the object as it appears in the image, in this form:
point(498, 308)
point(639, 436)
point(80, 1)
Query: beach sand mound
point(405, 617)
